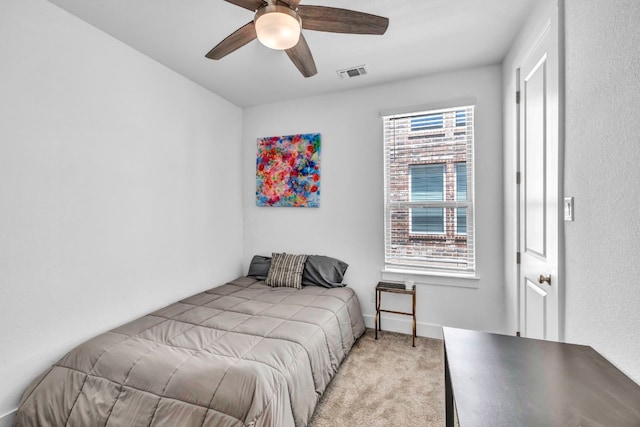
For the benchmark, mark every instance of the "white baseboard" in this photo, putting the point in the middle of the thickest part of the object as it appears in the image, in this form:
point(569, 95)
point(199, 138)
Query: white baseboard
point(6, 420)
point(403, 326)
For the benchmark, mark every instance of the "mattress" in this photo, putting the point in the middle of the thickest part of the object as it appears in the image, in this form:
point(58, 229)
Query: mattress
point(241, 354)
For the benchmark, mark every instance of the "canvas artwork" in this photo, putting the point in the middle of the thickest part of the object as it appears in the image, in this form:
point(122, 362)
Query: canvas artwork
point(288, 171)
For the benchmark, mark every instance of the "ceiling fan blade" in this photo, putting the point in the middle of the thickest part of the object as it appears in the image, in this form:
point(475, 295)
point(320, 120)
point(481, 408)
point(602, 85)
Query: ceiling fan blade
point(234, 41)
point(335, 20)
point(301, 57)
point(252, 5)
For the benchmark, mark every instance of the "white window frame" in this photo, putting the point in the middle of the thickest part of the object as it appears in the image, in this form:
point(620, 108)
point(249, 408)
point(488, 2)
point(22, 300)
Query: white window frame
point(466, 266)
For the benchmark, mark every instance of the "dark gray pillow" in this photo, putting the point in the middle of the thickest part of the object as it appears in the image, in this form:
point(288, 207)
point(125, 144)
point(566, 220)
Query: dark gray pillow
point(320, 270)
point(259, 267)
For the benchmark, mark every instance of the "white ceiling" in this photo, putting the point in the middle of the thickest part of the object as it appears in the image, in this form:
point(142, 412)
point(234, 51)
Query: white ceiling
point(424, 37)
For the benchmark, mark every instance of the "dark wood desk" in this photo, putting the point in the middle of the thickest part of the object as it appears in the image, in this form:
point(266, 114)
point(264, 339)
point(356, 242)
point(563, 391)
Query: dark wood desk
point(500, 380)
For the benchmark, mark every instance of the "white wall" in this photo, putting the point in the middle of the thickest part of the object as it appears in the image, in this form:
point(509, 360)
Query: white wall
point(119, 188)
point(602, 173)
point(349, 222)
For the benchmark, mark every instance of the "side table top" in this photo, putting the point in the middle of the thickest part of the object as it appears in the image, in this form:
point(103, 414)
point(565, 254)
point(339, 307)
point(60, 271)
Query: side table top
point(395, 287)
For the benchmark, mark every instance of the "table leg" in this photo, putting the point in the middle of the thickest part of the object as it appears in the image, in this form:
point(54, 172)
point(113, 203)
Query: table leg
point(448, 392)
point(414, 317)
point(377, 314)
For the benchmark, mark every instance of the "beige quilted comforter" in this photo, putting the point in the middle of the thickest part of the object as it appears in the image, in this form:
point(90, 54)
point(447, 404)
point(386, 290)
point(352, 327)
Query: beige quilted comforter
point(241, 354)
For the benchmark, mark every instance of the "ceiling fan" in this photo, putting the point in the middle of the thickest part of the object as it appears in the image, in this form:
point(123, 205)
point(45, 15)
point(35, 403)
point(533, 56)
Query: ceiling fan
point(277, 24)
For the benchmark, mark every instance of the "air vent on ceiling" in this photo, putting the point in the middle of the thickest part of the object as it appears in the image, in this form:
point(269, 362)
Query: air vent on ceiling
point(349, 73)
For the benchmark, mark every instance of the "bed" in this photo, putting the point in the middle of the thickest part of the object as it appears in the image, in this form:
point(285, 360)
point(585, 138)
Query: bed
point(240, 354)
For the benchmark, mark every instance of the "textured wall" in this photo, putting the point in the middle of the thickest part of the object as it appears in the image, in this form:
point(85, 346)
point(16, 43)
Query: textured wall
point(602, 172)
point(119, 188)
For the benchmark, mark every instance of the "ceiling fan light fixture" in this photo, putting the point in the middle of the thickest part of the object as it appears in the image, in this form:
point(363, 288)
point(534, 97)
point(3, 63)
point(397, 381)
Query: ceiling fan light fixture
point(277, 27)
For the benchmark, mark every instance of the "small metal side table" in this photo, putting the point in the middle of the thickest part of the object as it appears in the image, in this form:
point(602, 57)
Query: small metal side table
point(395, 288)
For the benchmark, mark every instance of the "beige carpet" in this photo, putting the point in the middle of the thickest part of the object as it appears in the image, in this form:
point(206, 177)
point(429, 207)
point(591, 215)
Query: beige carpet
point(386, 383)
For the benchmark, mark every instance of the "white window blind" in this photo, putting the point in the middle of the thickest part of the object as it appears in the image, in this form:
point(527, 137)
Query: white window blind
point(429, 205)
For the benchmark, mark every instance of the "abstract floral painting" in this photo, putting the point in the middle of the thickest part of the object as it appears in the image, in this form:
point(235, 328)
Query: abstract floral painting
point(288, 171)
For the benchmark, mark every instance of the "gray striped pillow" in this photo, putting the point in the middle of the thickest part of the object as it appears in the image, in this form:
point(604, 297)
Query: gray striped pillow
point(286, 270)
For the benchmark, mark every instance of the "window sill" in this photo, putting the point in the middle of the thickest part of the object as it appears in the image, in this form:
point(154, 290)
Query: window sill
point(434, 278)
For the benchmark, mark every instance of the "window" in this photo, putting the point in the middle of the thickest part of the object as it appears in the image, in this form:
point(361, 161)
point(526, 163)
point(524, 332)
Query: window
point(426, 122)
point(427, 184)
point(429, 190)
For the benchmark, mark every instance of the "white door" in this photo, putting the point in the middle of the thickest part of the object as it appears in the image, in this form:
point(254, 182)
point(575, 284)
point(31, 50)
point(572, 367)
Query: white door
point(539, 277)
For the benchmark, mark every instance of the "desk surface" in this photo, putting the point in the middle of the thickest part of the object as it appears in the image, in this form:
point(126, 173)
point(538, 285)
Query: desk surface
point(500, 380)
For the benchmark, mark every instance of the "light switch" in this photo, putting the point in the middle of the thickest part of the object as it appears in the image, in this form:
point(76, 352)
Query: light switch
point(568, 208)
